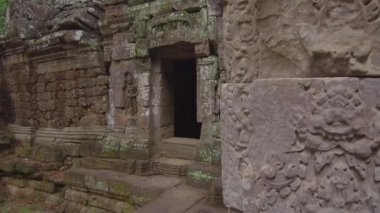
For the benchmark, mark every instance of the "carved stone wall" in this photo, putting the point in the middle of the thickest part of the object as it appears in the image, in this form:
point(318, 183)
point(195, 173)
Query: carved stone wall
point(54, 66)
point(302, 145)
point(307, 38)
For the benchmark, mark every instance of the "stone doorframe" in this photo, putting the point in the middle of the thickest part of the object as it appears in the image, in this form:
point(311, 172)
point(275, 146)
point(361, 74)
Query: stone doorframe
point(144, 127)
point(162, 106)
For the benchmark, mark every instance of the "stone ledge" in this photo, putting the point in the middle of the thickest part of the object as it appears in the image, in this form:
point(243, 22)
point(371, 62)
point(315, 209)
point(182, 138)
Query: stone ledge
point(125, 166)
point(134, 189)
point(84, 200)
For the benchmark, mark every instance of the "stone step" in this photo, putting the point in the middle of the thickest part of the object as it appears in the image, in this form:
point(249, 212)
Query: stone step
point(184, 148)
point(134, 189)
point(124, 166)
point(172, 166)
point(177, 200)
point(138, 167)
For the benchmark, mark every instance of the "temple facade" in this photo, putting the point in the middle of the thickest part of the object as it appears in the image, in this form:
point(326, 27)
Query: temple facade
point(267, 105)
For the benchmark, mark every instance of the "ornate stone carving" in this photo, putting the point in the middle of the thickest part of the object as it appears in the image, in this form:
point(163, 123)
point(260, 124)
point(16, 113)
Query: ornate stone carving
point(178, 26)
point(339, 143)
point(320, 154)
point(130, 92)
point(241, 39)
point(236, 102)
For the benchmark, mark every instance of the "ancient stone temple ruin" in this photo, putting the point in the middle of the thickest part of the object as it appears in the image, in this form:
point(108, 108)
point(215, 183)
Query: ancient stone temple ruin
point(255, 106)
point(111, 106)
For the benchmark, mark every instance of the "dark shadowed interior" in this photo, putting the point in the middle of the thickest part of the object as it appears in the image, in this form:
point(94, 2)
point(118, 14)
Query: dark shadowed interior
point(185, 93)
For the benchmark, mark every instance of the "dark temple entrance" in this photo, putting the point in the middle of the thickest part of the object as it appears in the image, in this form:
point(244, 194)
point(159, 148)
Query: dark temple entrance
point(185, 99)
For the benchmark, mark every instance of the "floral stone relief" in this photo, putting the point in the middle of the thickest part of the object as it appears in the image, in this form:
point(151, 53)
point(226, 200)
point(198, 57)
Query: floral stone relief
point(314, 147)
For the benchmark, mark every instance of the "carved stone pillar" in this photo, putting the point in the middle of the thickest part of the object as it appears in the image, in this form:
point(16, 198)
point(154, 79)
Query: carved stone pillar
point(295, 142)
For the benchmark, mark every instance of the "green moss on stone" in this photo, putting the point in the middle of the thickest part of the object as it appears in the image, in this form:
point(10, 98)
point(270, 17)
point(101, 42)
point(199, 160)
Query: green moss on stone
point(110, 148)
point(166, 7)
point(3, 10)
point(201, 176)
point(95, 183)
point(7, 166)
point(119, 188)
point(126, 207)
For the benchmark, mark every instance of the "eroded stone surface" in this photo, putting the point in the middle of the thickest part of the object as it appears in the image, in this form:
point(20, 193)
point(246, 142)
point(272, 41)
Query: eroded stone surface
point(318, 38)
point(33, 19)
point(301, 145)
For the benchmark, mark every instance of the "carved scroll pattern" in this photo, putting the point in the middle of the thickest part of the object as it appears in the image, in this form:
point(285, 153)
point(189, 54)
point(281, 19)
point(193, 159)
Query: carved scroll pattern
point(240, 36)
point(332, 166)
point(237, 114)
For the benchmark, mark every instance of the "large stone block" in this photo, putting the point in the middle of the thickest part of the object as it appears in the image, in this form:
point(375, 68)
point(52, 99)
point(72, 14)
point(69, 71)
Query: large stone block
point(70, 149)
point(42, 186)
point(25, 167)
point(301, 145)
point(76, 196)
point(7, 166)
point(90, 148)
point(126, 166)
point(171, 28)
point(110, 204)
point(14, 181)
point(47, 153)
point(122, 50)
point(74, 179)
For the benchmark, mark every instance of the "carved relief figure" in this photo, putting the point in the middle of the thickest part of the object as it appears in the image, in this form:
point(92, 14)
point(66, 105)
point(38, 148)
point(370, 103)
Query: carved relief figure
point(340, 150)
point(130, 92)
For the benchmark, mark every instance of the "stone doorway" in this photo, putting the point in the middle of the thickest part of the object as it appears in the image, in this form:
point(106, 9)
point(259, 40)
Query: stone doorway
point(185, 99)
point(174, 95)
point(176, 129)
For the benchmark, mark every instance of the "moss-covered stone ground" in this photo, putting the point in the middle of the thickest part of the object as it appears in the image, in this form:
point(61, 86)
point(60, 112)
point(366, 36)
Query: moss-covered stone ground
point(27, 206)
